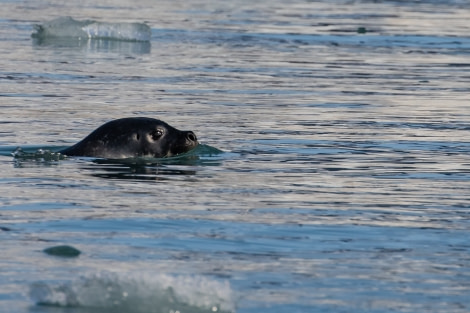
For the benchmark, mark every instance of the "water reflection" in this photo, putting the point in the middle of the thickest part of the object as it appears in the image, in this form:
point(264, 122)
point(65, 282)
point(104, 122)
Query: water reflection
point(138, 169)
point(94, 45)
point(187, 164)
point(131, 168)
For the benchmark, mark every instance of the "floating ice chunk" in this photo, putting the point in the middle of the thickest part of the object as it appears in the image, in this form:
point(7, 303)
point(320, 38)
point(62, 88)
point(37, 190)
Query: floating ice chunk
point(138, 293)
point(68, 27)
point(118, 31)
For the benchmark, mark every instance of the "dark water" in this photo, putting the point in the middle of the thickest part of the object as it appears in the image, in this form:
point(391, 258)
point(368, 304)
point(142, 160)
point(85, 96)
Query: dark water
point(343, 185)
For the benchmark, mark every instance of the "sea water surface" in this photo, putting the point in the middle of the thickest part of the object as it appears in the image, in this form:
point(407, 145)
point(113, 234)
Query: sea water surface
point(344, 179)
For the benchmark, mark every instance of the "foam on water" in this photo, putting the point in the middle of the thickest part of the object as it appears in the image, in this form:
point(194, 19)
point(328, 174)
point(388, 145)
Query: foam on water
point(137, 292)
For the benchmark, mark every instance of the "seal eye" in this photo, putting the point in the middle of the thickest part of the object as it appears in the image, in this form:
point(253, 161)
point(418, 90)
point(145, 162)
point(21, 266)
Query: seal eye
point(157, 134)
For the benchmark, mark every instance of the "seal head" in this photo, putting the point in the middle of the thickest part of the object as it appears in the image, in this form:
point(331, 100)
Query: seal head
point(134, 137)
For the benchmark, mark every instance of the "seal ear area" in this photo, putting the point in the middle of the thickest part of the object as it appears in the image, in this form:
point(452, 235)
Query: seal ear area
point(136, 137)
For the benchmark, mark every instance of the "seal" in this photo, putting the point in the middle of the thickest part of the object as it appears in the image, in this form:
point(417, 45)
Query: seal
point(134, 137)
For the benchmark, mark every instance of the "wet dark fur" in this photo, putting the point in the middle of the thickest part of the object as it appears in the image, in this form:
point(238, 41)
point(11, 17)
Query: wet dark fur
point(134, 137)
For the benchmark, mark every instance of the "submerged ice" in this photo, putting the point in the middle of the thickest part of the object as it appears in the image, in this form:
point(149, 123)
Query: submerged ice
point(67, 27)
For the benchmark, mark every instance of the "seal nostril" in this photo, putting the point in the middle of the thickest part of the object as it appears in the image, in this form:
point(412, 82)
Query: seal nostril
point(191, 136)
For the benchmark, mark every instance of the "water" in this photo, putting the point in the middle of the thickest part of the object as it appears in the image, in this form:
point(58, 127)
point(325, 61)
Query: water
point(343, 185)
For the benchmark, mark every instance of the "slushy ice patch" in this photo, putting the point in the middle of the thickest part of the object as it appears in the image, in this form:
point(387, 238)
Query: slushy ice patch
point(143, 292)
